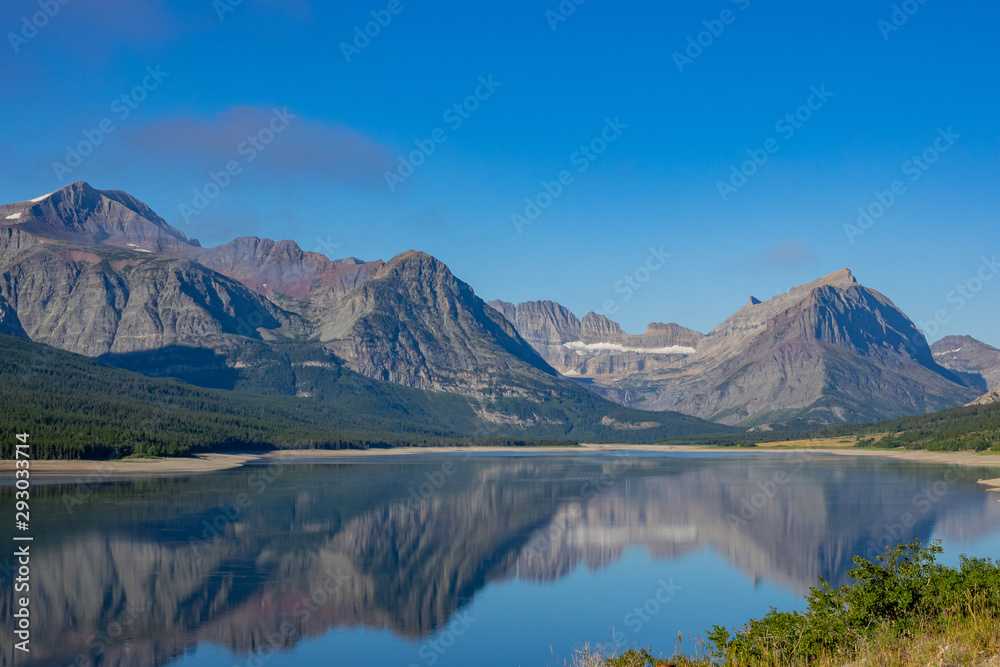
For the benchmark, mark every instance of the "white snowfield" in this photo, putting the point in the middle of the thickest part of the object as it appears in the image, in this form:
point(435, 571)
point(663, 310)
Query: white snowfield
point(14, 216)
point(582, 347)
point(38, 199)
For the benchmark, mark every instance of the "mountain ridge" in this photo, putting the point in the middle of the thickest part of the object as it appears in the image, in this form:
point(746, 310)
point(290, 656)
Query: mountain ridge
point(827, 351)
point(276, 320)
point(99, 273)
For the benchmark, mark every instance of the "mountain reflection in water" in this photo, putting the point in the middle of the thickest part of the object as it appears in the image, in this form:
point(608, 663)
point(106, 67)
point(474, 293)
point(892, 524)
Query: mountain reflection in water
point(138, 572)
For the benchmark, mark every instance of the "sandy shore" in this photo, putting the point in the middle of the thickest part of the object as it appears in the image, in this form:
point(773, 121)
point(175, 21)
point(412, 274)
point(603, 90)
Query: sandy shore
point(971, 459)
point(107, 470)
point(92, 471)
point(994, 484)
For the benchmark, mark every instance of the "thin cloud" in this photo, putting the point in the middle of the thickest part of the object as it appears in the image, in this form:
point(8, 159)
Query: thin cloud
point(97, 30)
point(304, 148)
point(789, 255)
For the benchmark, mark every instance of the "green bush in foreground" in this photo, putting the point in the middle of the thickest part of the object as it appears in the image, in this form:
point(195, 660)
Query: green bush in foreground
point(903, 591)
point(903, 609)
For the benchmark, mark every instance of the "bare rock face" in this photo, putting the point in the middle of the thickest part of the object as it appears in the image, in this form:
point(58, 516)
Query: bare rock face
point(80, 213)
point(96, 304)
point(96, 298)
point(414, 323)
point(828, 351)
point(595, 346)
point(306, 282)
point(99, 273)
point(992, 396)
point(965, 354)
point(10, 325)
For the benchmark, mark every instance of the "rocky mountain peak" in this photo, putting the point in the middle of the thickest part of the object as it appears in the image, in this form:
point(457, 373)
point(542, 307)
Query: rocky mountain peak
point(965, 354)
point(841, 279)
point(79, 212)
point(598, 328)
point(954, 344)
point(415, 323)
point(281, 269)
point(415, 264)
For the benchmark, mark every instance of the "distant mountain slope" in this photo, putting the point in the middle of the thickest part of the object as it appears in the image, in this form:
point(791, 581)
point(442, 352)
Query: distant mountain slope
point(972, 427)
point(75, 276)
point(992, 396)
point(78, 212)
point(305, 282)
point(595, 346)
point(10, 325)
point(825, 352)
point(97, 299)
point(965, 354)
point(414, 323)
point(76, 407)
point(829, 351)
point(99, 273)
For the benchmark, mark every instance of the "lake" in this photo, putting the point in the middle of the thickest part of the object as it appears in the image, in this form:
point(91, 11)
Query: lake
point(462, 559)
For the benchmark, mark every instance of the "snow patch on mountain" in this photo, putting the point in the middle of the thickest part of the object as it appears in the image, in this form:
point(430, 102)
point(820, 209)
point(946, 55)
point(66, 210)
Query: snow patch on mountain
point(580, 347)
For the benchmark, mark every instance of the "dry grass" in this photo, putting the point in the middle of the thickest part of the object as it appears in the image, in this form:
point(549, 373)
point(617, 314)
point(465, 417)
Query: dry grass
point(815, 443)
point(843, 442)
point(971, 640)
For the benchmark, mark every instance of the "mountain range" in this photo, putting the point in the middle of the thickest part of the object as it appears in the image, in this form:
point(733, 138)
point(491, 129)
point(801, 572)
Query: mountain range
point(829, 351)
point(98, 273)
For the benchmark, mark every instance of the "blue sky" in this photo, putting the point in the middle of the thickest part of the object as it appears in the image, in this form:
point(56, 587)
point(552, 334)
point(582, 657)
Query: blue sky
point(641, 136)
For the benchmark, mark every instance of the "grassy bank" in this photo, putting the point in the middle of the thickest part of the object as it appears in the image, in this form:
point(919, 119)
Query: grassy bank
point(903, 609)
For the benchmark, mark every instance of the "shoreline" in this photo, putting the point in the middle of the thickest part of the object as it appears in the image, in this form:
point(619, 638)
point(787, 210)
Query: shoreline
point(86, 470)
point(106, 471)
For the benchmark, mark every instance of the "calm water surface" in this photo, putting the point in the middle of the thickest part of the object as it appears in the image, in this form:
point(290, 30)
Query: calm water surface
point(461, 559)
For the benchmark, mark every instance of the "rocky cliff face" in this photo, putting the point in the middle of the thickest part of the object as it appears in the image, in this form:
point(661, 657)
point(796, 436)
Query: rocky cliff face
point(832, 351)
point(306, 282)
point(96, 300)
point(414, 323)
point(80, 213)
point(10, 325)
point(965, 354)
point(595, 345)
point(992, 396)
point(828, 351)
point(99, 273)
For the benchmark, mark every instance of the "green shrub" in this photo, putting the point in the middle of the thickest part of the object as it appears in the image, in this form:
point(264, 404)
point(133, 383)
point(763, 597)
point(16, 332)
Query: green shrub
point(901, 592)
